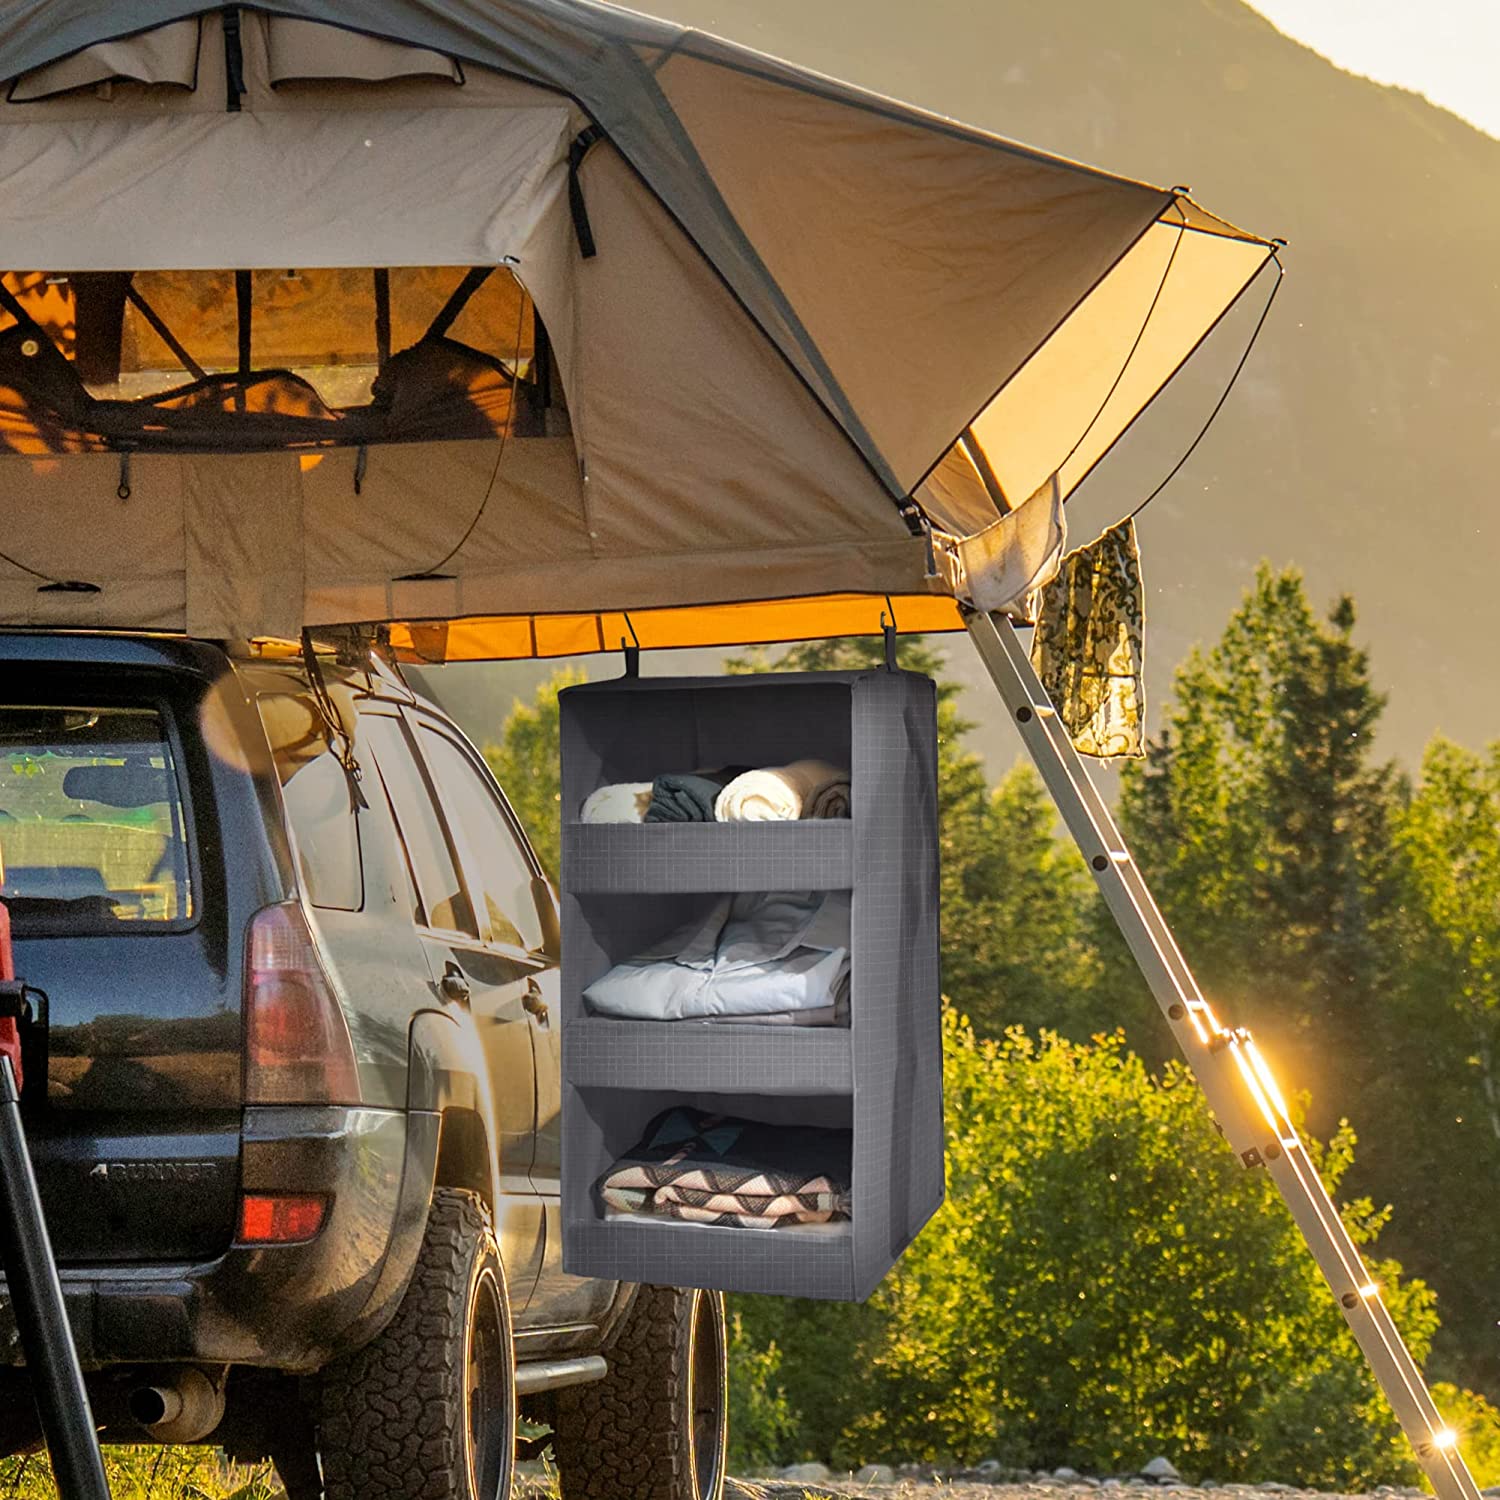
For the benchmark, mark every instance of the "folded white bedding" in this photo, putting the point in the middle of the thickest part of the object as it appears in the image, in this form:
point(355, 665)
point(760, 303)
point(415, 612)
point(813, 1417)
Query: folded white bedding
point(824, 1015)
point(625, 802)
point(836, 1014)
point(803, 789)
point(758, 953)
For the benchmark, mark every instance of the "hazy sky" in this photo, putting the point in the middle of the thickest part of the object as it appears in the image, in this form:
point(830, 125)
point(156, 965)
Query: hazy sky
point(1446, 49)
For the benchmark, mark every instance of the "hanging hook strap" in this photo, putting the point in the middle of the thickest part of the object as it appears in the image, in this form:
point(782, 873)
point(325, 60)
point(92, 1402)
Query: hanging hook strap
point(888, 630)
point(631, 648)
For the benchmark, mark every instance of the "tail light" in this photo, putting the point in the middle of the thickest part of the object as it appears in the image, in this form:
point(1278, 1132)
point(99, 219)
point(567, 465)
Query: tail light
point(297, 1047)
point(280, 1218)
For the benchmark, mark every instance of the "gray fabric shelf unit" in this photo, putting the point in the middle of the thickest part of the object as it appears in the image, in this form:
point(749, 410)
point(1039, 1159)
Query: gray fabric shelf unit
point(625, 886)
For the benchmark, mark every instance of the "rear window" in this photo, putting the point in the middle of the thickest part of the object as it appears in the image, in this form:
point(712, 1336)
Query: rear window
point(92, 826)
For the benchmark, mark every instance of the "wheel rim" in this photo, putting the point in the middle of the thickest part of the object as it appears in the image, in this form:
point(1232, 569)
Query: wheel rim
point(490, 1393)
point(707, 1376)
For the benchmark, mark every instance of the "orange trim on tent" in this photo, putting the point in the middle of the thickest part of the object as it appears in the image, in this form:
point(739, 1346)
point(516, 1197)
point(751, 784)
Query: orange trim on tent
point(762, 622)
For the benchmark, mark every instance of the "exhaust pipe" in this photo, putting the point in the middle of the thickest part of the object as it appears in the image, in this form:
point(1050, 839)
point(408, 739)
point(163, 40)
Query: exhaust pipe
point(183, 1409)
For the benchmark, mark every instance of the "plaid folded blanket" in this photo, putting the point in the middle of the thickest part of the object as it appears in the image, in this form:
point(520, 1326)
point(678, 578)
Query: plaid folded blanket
point(721, 1170)
point(767, 1205)
point(739, 1220)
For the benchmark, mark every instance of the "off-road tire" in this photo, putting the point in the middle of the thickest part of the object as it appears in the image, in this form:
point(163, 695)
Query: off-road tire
point(394, 1418)
point(635, 1435)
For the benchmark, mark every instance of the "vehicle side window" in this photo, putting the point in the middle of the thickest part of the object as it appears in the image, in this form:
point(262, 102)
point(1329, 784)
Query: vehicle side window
point(445, 903)
point(500, 875)
point(315, 791)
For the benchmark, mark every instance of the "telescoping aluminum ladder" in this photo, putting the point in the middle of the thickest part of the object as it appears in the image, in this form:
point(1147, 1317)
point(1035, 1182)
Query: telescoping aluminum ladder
point(1236, 1081)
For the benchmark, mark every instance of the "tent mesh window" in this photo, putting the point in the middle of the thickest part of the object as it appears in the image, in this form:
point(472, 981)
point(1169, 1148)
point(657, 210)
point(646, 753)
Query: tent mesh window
point(215, 361)
point(626, 886)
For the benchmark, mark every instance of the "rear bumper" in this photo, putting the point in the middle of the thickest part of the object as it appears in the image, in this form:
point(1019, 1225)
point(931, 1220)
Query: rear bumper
point(291, 1307)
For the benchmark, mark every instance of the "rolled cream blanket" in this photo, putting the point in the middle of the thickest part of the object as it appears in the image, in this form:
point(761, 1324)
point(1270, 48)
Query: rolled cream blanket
point(625, 802)
point(804, 789)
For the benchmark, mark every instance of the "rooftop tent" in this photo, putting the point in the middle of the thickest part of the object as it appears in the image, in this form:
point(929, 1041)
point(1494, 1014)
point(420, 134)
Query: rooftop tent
point(507, 318)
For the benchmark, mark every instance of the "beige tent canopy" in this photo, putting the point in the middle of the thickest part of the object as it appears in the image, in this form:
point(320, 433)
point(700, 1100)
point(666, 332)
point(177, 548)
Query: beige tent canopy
point(503, 318)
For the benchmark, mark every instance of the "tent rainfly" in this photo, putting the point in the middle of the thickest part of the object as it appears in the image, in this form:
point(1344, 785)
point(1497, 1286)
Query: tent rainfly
point(500, 318)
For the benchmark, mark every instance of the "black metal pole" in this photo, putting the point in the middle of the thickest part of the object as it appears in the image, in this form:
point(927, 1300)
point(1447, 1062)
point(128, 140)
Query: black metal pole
point(36, 1297)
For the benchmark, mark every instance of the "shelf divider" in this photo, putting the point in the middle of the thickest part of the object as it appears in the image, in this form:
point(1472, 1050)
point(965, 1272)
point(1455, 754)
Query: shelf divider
point(599, 858)
point(704, 1057)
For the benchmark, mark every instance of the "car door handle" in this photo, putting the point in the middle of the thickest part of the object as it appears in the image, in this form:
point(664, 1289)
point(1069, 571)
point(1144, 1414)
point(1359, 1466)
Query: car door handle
point(533, 1003)
point(454, 985)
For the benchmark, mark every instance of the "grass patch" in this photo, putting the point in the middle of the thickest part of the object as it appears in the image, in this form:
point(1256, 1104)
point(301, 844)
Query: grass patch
point(150, 1473)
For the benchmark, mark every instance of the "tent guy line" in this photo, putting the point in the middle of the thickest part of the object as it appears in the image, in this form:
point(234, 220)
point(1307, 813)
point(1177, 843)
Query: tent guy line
point(1244, 359)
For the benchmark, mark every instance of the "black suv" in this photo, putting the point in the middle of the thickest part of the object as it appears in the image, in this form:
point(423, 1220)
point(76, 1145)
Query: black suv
point(297, 1120)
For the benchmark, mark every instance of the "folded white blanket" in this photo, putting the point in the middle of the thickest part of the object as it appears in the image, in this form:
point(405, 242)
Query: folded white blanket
point(803, 789)
point(754, 954)
point(625, 802)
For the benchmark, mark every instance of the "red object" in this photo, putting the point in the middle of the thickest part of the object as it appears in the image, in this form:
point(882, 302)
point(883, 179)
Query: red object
point(297, 1047)
point(10, 1027)
point(280, 1218)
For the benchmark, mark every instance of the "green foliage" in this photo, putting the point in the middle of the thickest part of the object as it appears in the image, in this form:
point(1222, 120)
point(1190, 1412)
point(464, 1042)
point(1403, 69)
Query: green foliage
point(821, 1365)
point(1104, 1283)
point(525, 763)
point(1450, 835)
point(150, 1473)
point(1265, 827)
point(1132, 1288)
point(1016, 916)
point(1477, 1424)
point(1440, 1025)
point(761, 1424)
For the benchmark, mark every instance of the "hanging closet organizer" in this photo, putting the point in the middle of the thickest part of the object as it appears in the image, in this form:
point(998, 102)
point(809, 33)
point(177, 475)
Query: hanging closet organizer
point(626, 886)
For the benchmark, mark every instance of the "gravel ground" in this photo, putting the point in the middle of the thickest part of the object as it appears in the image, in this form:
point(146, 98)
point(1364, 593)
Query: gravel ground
point(960, 1489)
point(535, 1488)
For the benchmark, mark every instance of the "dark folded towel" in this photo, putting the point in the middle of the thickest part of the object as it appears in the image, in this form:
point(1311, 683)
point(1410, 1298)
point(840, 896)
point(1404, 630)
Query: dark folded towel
point(688, 797)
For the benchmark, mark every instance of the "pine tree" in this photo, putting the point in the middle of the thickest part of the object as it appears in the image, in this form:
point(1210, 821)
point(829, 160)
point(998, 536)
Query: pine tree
point(1264, 824)
point(1442, 1030)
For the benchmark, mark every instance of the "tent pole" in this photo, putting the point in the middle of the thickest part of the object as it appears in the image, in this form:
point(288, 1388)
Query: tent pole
point(1239, 1087)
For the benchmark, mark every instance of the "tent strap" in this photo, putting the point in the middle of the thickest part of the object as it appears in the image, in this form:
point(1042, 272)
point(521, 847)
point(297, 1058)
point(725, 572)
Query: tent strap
point(576, 206)
point(234, 61)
